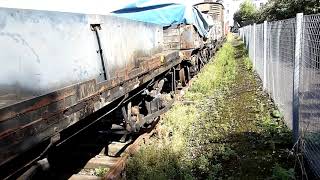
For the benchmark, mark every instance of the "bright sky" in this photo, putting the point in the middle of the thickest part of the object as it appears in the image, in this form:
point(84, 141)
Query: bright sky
point(79, 6)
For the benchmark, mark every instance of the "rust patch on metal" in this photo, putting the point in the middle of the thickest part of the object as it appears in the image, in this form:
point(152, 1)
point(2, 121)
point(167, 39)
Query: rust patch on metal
point(35, 103)
point(86, 89)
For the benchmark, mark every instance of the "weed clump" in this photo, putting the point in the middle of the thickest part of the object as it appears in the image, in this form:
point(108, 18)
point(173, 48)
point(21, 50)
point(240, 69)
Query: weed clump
point(100, 171)
point(279, 172)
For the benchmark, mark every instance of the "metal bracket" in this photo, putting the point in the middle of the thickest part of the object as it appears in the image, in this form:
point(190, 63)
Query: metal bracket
point(96, 28)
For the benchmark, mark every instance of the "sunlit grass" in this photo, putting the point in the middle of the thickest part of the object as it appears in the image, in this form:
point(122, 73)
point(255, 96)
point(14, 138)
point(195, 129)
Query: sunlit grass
point(215, 74)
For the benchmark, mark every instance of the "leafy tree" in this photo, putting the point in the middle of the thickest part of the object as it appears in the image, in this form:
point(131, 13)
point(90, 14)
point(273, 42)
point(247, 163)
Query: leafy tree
point(246, 14)
point(274, 10)
point(284, 9)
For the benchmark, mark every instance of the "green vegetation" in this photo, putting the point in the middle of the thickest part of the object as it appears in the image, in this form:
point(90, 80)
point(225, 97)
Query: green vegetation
point(226, 130)
point(284, 9)
point(246, 14)
point(281, 173)
point(248, 64)
point(274, 10)
point(100, 171)
point(215, 75)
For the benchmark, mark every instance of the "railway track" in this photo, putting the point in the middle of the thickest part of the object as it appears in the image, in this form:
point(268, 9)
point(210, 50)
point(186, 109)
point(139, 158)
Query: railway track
point(110, 162)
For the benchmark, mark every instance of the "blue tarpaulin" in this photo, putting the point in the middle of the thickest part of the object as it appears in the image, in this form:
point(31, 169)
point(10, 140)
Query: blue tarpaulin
point(165, 13)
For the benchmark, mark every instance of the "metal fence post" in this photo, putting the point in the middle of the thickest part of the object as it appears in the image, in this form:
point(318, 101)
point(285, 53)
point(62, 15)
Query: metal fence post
point(296, 77)
point(265, 55)
point(254, 46)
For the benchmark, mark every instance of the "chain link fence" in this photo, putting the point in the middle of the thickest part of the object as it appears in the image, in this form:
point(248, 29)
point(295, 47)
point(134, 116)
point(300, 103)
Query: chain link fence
point(286, 56)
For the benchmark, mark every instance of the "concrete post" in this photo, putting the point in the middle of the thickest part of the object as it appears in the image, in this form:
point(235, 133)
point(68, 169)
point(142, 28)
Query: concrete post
point(296, 77)
point(265, 40)
point(254, 46)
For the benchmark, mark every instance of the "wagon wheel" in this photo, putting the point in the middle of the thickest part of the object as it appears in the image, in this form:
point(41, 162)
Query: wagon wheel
point(188, 74)
point(182, 77)
point(193, 66)
point(200, 62)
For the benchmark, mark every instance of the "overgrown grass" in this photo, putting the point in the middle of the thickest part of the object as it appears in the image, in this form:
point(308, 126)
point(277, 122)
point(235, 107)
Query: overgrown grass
point(215, 74)
point(227, 132)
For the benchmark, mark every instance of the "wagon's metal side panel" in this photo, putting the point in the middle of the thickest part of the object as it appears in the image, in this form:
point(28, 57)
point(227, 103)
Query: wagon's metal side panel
point(125, 41)
point(171, 38)
point(190, 39)
point(43, 51)
point(182, 37)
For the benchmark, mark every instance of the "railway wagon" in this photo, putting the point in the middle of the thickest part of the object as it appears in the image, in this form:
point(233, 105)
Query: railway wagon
point(215, 11)
point(196, 49)
point(58, 68)
point(193, 49)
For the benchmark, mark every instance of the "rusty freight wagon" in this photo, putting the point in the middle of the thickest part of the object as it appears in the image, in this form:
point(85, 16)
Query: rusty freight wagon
point(60, 69)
